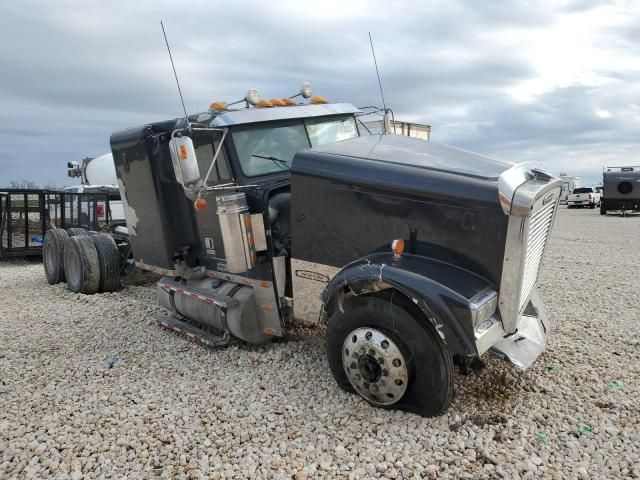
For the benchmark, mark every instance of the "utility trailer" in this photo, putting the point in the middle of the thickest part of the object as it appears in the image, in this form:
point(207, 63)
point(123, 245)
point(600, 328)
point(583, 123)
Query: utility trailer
point(26, 215)
point(621, 190)
point(419, 256)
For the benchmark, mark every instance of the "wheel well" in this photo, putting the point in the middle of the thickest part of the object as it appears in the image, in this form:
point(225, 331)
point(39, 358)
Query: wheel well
point(378, 289)
point(416, 307)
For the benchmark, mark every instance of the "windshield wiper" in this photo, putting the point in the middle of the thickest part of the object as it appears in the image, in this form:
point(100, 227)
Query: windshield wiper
point(278, 161)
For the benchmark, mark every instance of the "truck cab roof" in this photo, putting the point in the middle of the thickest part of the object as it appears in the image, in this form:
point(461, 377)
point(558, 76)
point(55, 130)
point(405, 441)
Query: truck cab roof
point(227, 118)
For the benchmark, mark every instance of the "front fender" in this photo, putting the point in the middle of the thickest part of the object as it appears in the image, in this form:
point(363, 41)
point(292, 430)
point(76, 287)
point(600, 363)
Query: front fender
point(440, 290)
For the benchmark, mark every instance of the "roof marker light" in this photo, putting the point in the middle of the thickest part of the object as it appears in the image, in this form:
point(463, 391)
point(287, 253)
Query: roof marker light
point(276, 102)
point(318, 100)
point(288, 101)
point(264, 103)
point(218, 106)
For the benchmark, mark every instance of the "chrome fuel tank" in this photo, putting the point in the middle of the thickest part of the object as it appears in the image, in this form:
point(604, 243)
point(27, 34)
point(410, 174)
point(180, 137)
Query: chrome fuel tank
point(225, 306)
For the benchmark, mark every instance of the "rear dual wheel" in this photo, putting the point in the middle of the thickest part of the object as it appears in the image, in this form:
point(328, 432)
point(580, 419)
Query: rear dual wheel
point(53, 255)
point(76, 231)
point(109, 258)
point(90, 263)
point(81, 265)
point(379, 349)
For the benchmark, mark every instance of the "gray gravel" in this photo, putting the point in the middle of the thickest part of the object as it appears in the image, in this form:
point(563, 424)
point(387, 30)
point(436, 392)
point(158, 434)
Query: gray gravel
point(169, 408)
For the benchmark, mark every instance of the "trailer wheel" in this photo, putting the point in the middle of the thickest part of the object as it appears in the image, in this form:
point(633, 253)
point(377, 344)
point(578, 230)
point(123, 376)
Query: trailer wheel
point(109, 258)
point(81, 265)
point(53, 255)
point(379, 350)
point(76, 231)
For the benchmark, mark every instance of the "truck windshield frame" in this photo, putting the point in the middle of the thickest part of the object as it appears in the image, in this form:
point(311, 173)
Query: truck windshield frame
point(282, 140)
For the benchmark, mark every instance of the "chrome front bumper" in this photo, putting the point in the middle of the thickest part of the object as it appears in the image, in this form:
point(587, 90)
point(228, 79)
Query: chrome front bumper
point(523, 347)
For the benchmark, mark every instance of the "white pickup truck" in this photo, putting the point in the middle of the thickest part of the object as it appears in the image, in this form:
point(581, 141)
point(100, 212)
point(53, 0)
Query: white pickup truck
point(584, 197)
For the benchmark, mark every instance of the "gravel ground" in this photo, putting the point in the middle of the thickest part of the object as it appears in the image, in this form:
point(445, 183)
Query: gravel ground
point(169, 408)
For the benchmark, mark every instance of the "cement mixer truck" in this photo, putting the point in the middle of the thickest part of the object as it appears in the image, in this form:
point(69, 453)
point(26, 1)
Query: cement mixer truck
point(98, 175)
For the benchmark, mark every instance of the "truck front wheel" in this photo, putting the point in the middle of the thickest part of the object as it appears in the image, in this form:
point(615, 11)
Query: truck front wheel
point(378, 349)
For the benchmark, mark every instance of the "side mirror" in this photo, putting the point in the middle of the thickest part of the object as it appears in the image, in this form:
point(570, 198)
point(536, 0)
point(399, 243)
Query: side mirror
point(185, 163)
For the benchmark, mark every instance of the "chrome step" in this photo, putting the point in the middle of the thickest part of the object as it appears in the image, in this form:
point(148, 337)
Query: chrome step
point(192, 332)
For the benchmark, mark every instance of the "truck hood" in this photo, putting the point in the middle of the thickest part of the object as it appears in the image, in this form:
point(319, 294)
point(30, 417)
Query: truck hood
point(403, 150)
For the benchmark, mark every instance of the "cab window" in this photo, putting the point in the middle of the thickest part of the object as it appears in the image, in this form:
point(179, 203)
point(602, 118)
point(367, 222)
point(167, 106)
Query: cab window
point(323, 131)
point(268, 149)
point(205, 146)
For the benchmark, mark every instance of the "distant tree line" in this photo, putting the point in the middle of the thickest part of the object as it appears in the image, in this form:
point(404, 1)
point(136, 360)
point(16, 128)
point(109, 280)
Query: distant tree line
point(29, 185)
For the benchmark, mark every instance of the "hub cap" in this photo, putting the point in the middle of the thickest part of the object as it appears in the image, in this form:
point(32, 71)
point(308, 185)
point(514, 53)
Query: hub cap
point(375, 366)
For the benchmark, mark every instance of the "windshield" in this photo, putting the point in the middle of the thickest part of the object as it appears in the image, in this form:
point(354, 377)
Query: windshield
point(281, 143)
point(268, 149)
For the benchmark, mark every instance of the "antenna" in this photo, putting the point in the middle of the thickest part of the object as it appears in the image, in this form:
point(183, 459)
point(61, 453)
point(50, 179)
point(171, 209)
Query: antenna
point(373, 52)
point(174, 71)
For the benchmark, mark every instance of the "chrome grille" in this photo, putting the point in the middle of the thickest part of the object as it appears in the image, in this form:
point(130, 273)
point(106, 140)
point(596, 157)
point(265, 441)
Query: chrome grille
point(538, 235)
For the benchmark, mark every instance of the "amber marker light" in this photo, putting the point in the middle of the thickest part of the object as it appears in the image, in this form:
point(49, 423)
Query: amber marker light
point(183, 152)
point(200, 204)
point(276, 102)
point(264, 103)
point(289, 102)
point(218, 106)
point(318, 100)
point(397, 247)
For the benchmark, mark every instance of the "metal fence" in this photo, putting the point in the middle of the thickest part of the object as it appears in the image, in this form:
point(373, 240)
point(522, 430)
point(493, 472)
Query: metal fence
point(26, 215)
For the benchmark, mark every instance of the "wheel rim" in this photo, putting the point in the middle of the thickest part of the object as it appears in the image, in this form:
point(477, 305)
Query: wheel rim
point(375, 366)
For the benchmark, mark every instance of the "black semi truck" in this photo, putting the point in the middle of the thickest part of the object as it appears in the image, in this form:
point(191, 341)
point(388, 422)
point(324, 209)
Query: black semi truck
point(419, 256)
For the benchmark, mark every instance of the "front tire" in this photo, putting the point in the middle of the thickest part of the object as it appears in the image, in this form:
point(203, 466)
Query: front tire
point(379, 349)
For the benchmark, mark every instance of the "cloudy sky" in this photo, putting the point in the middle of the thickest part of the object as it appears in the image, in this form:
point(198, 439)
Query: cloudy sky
point(554, 81)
